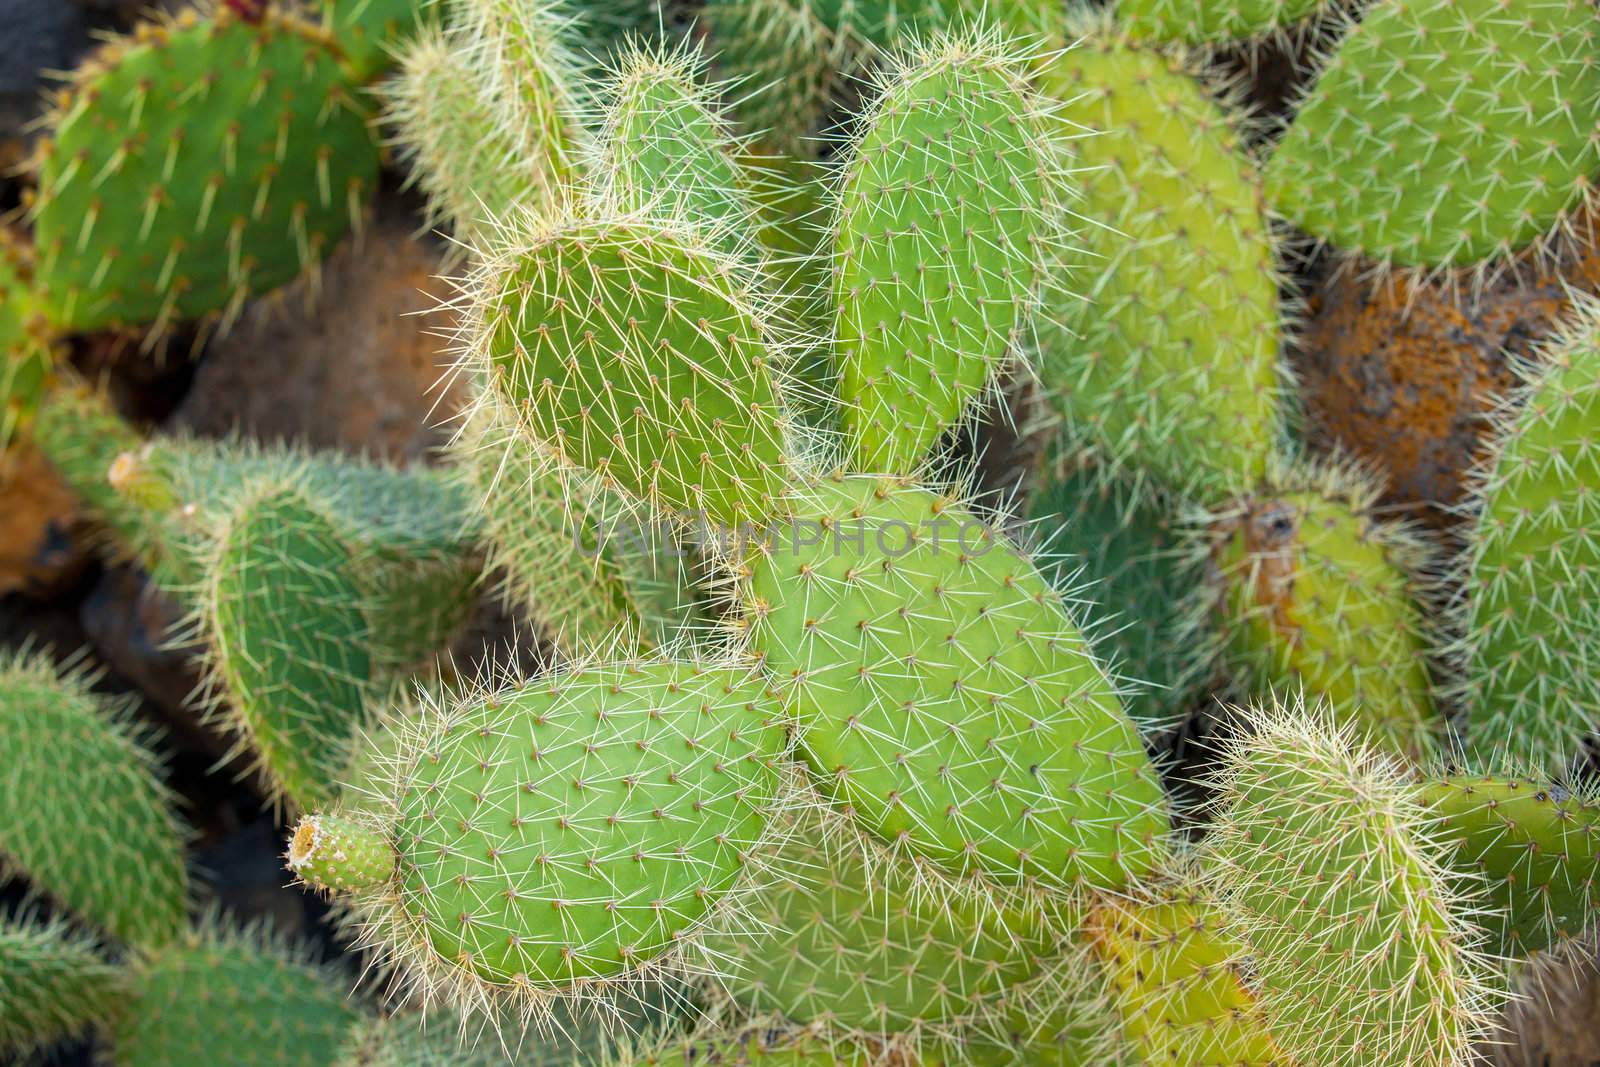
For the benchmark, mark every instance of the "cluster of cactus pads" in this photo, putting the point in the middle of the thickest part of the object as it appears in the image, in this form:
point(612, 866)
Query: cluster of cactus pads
point(837, 758)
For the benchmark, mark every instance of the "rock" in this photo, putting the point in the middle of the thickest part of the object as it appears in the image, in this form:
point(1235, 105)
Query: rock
point(355, 372)
point(39, 554)
point(1401, 376)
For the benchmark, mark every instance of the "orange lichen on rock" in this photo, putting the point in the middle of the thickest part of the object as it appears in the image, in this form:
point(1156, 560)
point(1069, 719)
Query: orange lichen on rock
point(1402, 376)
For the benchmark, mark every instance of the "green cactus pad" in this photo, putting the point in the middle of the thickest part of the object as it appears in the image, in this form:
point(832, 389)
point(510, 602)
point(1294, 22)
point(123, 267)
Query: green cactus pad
point(1165, 354)
point(1536, 847)
point(53, 984)
point(90, 823)
point(219, 995)
point(412, 533)
point(290, 642)
point(784, 61)
point(757, 1046)
point(472, 166)
point(368, 31)
point(1444, 132)
point(82, 435)
point(665, 149)
point(25, 359)
point(861, 943)
point(1531, 681)
point(631, 349)
point(523, 50)
point(1323, 864)
point(566, 547)
point(943, 692)
point(1119, 552)
point(944, 218)
point(1202, 22)
point(1180, 983)
point(1316, 593)
point(582, 825)
point(203, 162)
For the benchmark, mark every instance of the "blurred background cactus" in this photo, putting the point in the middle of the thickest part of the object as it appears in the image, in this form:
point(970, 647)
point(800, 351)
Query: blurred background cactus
point(828, 531)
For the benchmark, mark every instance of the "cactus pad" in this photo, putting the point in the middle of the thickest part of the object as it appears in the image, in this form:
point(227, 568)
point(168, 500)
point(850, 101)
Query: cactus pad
point(631, 349)
point(1536, 847)
point(1169, 360)
point(1532, 671)
point(944, 694)
point(582, 825)
point(91, 825)
point(1316, 593)
point(943, 224)
point(1444, 132)
point(219, 995)
point(201, 163)
point(25, 361)
point(53, 984)
point(1179, 983)
point(862, 944)
point(290, 642)
point(367, 31)
point(1202, 22)
point(1325, 868)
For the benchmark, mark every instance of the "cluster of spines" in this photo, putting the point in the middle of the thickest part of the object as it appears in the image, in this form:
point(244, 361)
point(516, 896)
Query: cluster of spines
point(54, 983)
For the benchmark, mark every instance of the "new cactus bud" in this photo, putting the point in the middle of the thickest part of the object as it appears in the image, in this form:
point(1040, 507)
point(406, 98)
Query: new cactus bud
point(1443, 133)
point(53, 984)
point(1535, 846)
point(338, 854)
point(91, 824)
point(1531, 672)
point(202, 162)
point(566, 835)
point(1316, 592)
point(633, 349)
point(1169, 360)
point(943, 693)
point(944, 221)
point(224, 995)
point(1328, 871)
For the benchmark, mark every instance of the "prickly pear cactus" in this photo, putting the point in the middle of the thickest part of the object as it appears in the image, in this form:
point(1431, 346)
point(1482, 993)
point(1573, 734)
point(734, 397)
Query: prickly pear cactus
point(91, 825)
point(80, 433)
point(943, 693)
point(368, 31)
point(1317, 593)
point(1535, 847)
point(617, 805)
point(291, 645)
point(220, 994)
point(1164, 355)
point(1199, 22)
point(203, 161)
point(875, 950)
point(1531, 677)
point(53, 984)
point(1326, 867)
point(784, 60)
point(1180, 982)
point(1441, 133)
point(940, 249)
point(653, 322)
point(25, 361)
